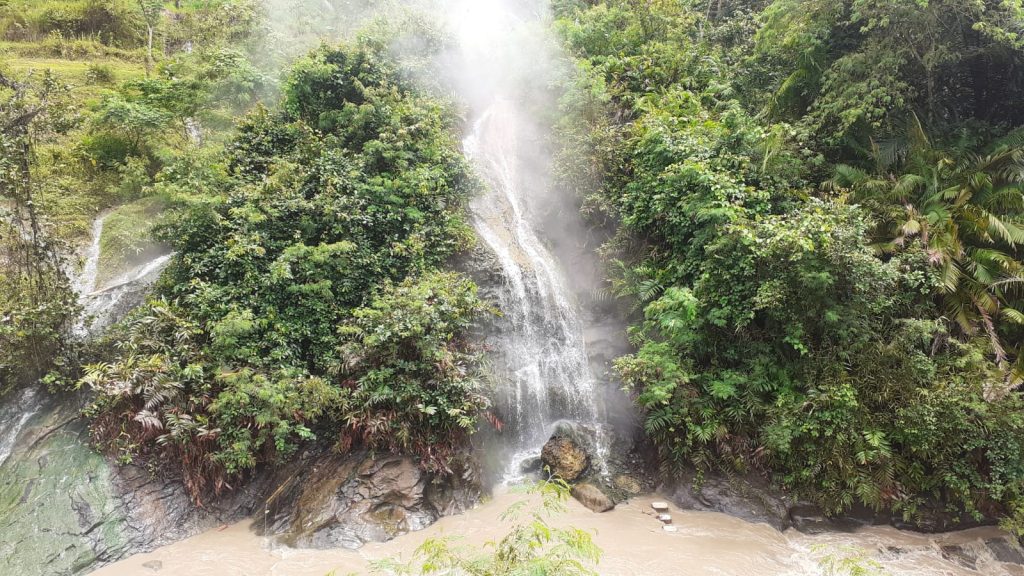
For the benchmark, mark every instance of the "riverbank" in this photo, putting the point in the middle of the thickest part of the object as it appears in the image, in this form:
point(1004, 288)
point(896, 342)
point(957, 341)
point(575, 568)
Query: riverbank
point(631, 537)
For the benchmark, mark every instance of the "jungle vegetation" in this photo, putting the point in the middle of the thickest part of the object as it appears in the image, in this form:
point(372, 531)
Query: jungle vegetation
point(311, 215)
point(819, 210)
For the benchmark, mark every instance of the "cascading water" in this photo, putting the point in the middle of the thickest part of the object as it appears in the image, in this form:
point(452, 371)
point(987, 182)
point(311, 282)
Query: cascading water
point(85, 281)
point(104, 305)
point(540, 338)
point(538, 345)
point(15, 412)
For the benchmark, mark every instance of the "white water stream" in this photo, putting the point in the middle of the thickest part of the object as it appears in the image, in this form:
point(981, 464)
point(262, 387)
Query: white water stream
point(544, 371)
point(104, 304)
point(537, 346)
point(85, 281)
point(15, 412)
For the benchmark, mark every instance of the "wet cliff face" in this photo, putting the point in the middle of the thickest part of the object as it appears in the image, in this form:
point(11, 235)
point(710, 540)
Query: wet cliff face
point(58, 513)
point(64, 508)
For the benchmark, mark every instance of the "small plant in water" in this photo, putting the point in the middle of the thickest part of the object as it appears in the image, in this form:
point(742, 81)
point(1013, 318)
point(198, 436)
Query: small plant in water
point(848, 561)
point(533, 547)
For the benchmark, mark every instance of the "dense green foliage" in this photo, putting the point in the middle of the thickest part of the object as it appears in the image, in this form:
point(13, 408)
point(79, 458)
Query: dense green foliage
point(37, 306)
point(84, 130)
point(306, 294)
point(820, 209)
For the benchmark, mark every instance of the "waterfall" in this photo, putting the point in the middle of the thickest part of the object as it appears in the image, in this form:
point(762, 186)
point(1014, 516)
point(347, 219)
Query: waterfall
point(538, 344)
point(85, 281)
point(540, 338)
point(15, 412)
point(104, 305)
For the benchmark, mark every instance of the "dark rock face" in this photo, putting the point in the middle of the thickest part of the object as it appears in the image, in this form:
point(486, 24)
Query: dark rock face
point(347, 501)
point(592, 497)
point(751, 498)
point(531, 465)
point(565, 457)
point(1005, 551)
point(748, 499)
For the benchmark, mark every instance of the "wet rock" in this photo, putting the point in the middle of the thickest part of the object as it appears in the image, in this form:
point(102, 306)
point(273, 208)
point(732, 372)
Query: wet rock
point(626, 483)
point(60, 512)
point(1005, 551)
point(347, 501)
point(746, 498)
point(565, 458)
point(592, 497)
point(811, 519)
point(66, 510)
point(531, 465)
point(960, 555)
point(934, 516)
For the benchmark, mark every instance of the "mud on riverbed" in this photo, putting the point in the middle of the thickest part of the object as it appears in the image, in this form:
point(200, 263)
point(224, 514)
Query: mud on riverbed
point(631, 537)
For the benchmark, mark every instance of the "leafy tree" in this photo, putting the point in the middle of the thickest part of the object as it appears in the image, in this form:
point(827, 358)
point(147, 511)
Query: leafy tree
point(131, 121)
point(151, 10)
point(966, 213)
point(306, 298)
point(37, 305)
point(861, 67)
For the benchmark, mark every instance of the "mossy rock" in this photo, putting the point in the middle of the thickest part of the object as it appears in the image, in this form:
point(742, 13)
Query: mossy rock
point(58, 509)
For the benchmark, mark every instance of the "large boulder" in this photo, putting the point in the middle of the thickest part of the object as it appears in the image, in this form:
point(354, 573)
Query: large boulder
point(592, 497)
point(747, 498)
point(349, 500)
point(564, 457)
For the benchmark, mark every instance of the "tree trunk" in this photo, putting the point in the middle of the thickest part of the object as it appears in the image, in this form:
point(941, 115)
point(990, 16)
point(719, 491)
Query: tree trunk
point(149, 50)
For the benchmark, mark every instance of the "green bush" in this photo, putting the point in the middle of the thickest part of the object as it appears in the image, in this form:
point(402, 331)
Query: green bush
point(106, 150)
point(305, 297)
point(851, 354)
point(100, 74)
point(113, 22)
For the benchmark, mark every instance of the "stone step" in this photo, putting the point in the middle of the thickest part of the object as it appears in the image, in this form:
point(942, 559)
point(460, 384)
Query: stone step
point(660, 506)
point(666, 518)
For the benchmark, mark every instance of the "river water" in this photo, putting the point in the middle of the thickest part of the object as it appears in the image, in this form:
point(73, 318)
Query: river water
point(632, 540)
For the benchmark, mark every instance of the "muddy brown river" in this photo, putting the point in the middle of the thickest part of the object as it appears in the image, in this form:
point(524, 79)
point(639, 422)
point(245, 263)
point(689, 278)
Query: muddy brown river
point(630, 536)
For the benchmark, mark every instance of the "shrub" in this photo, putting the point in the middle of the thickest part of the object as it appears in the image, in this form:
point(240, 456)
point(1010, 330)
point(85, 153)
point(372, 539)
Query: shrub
point(100, 74)
point(305, 297)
